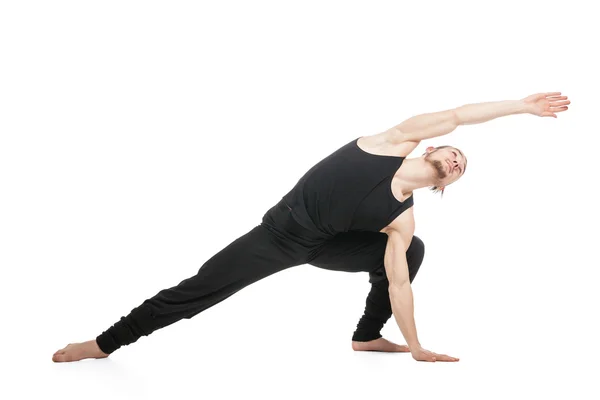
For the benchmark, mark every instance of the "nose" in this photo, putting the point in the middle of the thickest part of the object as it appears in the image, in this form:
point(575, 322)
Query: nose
point(455, 160)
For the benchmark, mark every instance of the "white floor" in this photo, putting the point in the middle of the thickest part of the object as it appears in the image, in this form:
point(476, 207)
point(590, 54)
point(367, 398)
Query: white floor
point(247, 347)
point(294, 367)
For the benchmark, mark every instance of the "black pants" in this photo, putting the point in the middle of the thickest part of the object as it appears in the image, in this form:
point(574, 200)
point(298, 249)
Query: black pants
point(279, 242)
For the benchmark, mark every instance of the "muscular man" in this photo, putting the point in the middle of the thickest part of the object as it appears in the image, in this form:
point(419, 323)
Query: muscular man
point(350, 212)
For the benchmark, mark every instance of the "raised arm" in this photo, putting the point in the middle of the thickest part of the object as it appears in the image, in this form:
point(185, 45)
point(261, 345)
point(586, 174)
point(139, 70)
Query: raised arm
point(401, 296)
point(430, 125)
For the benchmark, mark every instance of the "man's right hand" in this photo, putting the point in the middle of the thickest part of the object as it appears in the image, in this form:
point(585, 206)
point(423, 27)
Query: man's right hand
point(420, 354)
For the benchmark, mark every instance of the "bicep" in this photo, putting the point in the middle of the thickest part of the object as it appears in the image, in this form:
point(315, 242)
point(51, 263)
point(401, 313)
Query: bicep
point(403, 224)
point(395, 263)
point(400, 233)
point(426, 126)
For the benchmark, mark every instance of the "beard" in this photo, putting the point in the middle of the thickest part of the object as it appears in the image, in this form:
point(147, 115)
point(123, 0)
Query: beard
point(439, 169)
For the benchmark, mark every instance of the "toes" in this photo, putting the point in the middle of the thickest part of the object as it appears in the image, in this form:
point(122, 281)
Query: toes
point(60, 357)
point(61, 350)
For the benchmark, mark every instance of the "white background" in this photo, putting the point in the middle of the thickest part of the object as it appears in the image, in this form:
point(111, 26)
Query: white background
point(140, 138)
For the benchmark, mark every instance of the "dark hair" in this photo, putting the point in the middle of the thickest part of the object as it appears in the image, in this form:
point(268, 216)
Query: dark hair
point(435, 189)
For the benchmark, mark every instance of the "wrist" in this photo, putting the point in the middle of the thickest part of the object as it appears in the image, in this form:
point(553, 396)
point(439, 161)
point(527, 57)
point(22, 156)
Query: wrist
point(414, 346)
point(522, 107)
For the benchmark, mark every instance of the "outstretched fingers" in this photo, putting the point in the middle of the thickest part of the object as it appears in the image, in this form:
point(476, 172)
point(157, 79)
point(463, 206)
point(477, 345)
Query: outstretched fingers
point(554, 103)
point(549, 94)
point(444, 357)
point(553, 110)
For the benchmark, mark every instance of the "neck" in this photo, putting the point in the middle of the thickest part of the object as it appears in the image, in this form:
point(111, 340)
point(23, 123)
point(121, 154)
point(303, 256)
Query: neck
point(416, 173)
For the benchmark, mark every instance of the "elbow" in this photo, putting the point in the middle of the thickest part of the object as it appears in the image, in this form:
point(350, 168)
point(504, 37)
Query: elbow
point(396, 136)
point(456, 117)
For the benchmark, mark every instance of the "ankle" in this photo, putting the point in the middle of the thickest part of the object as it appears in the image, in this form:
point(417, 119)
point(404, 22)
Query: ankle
point(96, 349)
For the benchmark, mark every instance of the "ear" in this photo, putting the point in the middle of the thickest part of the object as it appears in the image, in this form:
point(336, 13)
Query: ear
point(430, 149)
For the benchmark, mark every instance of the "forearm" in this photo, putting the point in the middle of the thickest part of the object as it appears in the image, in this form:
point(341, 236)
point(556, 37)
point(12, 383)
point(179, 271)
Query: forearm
point(401, 299)
point(430, 125)
point(481, 112)
point(400, 291)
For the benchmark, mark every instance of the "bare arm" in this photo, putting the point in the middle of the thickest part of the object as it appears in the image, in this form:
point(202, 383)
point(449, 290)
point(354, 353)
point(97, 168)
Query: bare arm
point(430, 125)
point(401, 296)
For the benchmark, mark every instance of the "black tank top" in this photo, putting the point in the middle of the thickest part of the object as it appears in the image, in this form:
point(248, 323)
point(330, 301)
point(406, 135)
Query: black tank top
point(349, 190)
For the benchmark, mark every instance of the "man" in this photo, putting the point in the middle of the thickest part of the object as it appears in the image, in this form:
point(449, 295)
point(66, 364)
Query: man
point(350, 212)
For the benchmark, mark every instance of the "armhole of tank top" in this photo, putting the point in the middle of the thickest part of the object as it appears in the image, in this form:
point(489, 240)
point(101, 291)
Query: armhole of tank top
point(391, 181)
point(402, 207)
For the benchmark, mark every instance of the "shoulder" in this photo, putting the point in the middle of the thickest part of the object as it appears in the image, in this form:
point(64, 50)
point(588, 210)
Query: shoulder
point(403, 224)
point(388, 143)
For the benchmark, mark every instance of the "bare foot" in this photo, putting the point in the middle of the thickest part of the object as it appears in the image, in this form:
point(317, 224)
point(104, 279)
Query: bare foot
point(79, 351)
point(380, 344)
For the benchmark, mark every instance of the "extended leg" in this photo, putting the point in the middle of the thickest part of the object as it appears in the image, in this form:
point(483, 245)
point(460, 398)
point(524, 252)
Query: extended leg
point(248, 259)
point(264, 250)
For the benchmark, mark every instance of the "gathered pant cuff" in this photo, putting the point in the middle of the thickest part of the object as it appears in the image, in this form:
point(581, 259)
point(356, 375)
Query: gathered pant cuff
point(127, 330)
point(363, 336)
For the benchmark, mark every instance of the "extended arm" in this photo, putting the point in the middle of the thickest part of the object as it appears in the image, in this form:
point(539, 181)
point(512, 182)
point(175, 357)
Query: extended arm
point(430, 125)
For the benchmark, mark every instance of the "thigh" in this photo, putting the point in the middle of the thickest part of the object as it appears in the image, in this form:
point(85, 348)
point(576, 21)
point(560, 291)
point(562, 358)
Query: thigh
point(247, 259)
point(364, 251)
point(354, 251)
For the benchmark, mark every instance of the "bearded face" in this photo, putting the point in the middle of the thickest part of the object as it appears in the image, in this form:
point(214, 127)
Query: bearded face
point(448, 164)
point(441, 172)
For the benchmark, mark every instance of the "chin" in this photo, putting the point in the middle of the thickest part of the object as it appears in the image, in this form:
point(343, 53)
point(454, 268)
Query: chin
point(441, 172)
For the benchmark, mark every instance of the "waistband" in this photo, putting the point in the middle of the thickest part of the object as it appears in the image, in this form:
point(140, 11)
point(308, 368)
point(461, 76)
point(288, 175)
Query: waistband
point(285, 221)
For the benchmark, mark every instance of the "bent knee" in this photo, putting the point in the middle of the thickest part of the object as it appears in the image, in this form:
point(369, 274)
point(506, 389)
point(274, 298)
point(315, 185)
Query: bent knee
point(416, 245)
